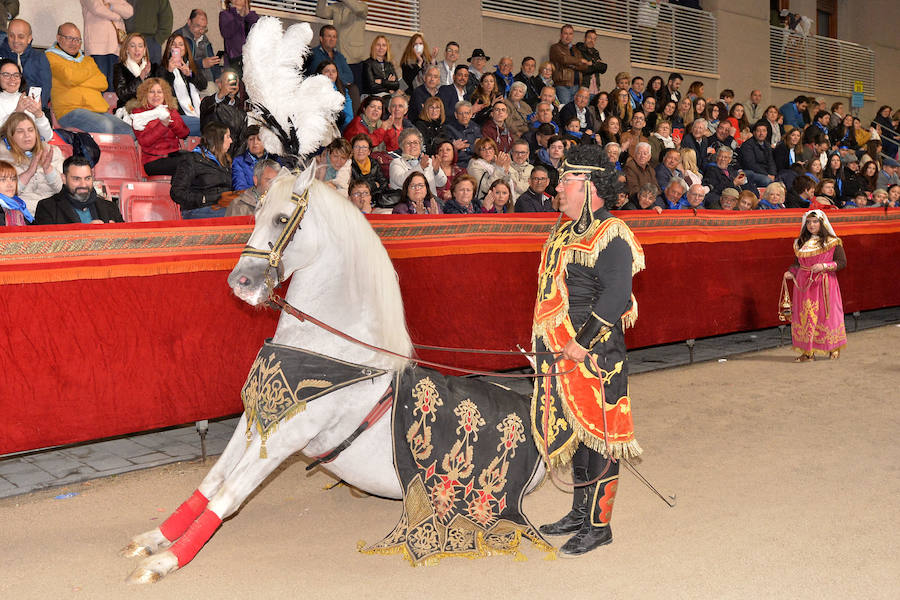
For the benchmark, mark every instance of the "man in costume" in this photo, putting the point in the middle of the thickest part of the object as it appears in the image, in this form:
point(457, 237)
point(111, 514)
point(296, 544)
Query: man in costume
point(584, 303)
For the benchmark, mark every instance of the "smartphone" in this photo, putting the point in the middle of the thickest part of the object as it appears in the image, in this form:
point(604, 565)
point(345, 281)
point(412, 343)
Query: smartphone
point(176, 52)
point(35, 93)
point(220, 54)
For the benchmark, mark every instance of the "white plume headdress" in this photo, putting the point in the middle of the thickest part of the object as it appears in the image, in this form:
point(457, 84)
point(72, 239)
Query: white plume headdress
point(296, 114)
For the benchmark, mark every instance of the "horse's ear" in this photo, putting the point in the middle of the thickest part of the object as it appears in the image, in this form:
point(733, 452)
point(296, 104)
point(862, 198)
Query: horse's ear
point(306, 176)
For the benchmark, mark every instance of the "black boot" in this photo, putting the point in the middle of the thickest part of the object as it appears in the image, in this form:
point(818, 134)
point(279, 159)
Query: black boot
point(575, 518)
point(595, 531)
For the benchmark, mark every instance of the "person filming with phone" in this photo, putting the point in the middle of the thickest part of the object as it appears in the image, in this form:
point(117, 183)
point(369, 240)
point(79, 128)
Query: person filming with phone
point(226, 105)
point(195, 33)
point(16, 95)
point(182, 73)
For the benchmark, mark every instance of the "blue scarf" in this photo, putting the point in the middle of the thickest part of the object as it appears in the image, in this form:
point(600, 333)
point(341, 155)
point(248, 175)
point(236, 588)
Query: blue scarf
point(16, 203)
point(64, 55)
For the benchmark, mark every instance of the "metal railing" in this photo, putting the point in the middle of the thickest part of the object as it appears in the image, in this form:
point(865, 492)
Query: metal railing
point(663, 35)
point(819, 64)
point(393, 14)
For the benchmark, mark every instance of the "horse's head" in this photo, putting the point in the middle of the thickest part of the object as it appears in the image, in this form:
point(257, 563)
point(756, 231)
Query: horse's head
point(278, 245)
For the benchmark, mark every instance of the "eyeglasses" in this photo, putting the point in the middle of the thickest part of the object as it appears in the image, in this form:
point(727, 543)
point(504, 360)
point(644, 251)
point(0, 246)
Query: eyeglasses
point(361, 194)
point(412, 143)
point(360, 147)
point(69, 38)
point(568, 180)
point(540, 178)
point(417, 186)
point(11, 75)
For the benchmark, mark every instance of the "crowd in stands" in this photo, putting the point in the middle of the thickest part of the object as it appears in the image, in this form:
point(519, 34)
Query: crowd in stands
point(424, 133)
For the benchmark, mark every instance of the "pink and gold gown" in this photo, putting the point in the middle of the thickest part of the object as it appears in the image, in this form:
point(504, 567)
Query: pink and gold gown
point(817, 317)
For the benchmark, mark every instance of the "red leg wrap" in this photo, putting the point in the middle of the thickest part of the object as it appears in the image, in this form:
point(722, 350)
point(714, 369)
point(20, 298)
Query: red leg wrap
point(181, 519)
point(189, 544)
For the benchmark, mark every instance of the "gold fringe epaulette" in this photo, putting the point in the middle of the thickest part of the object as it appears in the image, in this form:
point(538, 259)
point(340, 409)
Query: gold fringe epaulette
point(831, 243)
point(585, 249)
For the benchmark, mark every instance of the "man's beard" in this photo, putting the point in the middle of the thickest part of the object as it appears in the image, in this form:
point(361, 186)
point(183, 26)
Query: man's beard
point(81, 194)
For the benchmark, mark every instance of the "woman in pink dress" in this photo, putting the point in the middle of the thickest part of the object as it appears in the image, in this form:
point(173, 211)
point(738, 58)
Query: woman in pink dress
point(817, 316)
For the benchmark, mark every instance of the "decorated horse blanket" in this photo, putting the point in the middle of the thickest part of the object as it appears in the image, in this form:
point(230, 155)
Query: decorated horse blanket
point(463, 454)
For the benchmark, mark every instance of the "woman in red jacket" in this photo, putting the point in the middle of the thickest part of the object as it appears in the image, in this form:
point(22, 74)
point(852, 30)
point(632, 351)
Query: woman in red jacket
point(158, 127)
point(368, 121)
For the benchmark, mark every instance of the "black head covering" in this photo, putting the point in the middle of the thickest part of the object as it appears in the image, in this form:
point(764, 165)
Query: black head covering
point(591, 160)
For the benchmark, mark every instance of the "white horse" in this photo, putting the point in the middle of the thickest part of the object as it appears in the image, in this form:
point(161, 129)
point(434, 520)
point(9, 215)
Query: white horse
point(342, 276)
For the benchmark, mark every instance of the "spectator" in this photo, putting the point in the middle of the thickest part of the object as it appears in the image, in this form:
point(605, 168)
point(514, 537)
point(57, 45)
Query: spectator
point(463, 132)
point(872, 153)
point(786, 153)
point(712, 116)
point(333, 165)
point(695, 90)
point(669, 168)
point(690, 167)
point(548, 95)
point(102, 21)
point(552, 158)
point(416, 197)
point(495, 128)
point(802, 192)
point(536, 198)
point(33, 63)
point(657, 89)
point(792, 112)
point(773, 197)
point(368, 121)
point(730, 199)
point(833, 167)
point(696, 195)
point(578, 109)
point(697, 141)
point(519, 167)
point(721, 174)
point(431, 124)
point(756, 157)
point(528, 76)
point(445, 156)
point(851, 183)
point(499, 198)
point(538, 139)
point(893, 196)
point(636, 92)
point(869, 176)
point(181, 73)
point(327, 51)
point(543, 115)
point(133, 68)
point(349, 17)
point(814, 169)
point(263, 172)
point(415, 58)
point(395, 122)
point(448, 66)
point(747, 201)
point(622, 80)
point(244, 163)
point(364, 168)
point(463, 200)
point(568, 65)
point(723, 137)
point(504, 75)
point(487, 166)
point(826, 192)
point(153, 20)
point(675, 195)
point(194, 33)
point(235, 22)
point(517, 110)
point(13, 210)
point(379, 77)
point(889, 136)
point(610, 131)
point(672, 87)
point(477, 62)
point(726, 97)
point(589, 52)
point(78, 85)
point(14, 99)
point(204, 175)
point(429, 89)
point(837, 113)
point(413, 159)
point(635, 135)
point(755, 111)
point(638, 170)
point(38, 164)
point(483, 97)
point(818, 127)
point(329, 70)
point(684, 115)
point(647, 198)
point(545, 78)
point(360, 194)
point(880, 198)
point(623, 203)
point(620, 105)
point(699, 105)
point(598, 108)
point(226, 106)
point(888, 174)
point(456, 92)
point(76, 202)
point(158, 127)
point(661, 140)
point(844, 134)
point(776, 130)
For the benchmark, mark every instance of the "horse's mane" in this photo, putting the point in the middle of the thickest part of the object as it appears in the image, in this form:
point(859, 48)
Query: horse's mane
point(372, 268)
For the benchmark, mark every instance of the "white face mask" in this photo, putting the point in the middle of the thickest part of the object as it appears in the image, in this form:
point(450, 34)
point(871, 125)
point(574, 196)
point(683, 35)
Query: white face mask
point(418, 48)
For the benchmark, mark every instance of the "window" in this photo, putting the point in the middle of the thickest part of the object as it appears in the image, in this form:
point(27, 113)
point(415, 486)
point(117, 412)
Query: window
point(392, 14)
point(826, 18)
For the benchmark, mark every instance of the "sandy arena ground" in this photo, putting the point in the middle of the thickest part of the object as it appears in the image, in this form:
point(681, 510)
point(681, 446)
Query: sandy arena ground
point(786, 474)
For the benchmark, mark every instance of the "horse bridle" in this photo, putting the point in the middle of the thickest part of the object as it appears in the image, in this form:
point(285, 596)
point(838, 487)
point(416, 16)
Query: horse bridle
point(276, 249)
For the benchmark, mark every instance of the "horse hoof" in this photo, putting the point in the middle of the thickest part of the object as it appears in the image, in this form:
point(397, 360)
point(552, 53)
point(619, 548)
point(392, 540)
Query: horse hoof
point(142, 575)
point(135, 550)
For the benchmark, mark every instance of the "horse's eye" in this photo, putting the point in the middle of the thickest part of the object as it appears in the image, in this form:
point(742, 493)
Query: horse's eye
point(282, 220)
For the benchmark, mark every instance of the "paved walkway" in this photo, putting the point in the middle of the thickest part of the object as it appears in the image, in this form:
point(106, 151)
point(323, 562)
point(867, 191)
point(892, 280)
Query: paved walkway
point(52, 468)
